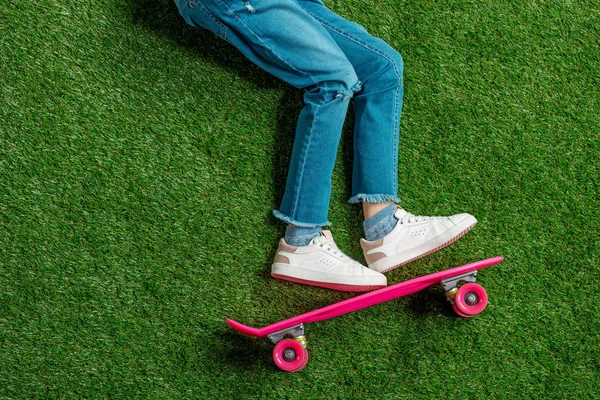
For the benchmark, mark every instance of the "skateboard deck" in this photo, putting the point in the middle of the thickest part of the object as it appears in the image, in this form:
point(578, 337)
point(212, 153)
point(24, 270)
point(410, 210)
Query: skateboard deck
point(291, 355)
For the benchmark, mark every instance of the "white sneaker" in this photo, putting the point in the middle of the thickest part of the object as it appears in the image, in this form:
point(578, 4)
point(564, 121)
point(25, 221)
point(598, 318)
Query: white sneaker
point(321, 263)
point(414, 237)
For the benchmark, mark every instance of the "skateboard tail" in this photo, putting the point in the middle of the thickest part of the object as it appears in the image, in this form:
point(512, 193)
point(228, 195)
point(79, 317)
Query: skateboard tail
point(244, 329)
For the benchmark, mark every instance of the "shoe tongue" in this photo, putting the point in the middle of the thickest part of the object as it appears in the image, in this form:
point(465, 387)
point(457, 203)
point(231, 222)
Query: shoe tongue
point(327, 235)
point(400, 213)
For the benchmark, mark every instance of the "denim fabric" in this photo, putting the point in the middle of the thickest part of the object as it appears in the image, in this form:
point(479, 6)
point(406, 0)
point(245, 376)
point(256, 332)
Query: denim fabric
point(380, 224)
point(334, 60)
point(299, 236)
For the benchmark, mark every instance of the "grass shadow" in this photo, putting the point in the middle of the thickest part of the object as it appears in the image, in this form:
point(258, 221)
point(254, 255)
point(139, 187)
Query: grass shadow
point(429, 302)
point(162, 18)
point(242, 352)
point(224, 350)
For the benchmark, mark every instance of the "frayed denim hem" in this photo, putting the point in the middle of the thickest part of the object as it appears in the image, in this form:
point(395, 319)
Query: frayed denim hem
point(279, 215)
point(374, 198)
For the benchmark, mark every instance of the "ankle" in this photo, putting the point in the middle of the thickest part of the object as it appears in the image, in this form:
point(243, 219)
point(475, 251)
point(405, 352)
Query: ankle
point(370, 209)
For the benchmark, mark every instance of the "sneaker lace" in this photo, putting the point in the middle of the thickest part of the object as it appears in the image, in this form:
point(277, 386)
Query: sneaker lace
point(410, 218)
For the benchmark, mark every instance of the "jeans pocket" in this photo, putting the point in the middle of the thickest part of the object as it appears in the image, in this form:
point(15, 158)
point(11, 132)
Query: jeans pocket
point(197, 15)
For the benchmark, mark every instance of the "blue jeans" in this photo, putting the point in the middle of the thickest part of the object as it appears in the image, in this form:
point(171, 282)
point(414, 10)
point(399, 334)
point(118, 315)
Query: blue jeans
point(308, 46)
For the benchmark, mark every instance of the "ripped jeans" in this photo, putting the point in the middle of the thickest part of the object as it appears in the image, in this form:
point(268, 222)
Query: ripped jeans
point(310, 47)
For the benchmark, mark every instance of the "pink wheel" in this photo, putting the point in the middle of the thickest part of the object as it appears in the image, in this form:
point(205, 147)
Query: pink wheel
point(290, 356)
point(470, 300)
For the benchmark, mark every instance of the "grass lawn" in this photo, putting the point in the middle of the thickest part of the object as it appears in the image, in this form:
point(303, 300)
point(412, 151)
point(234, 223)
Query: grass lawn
point(140, 160)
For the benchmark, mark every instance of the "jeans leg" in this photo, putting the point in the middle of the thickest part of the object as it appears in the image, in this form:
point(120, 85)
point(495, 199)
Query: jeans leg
point(318, 132)
point(286, 41)
point(377, 107)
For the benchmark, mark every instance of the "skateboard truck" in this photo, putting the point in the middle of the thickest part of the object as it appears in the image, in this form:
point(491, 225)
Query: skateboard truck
point(296, 331)
point(450, 285)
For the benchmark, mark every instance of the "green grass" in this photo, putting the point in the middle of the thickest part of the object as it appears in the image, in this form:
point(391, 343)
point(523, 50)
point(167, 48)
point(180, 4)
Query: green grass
point(140, 160)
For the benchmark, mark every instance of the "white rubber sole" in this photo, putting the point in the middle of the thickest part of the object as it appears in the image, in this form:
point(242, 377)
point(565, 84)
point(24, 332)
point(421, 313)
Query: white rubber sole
point(322, 279)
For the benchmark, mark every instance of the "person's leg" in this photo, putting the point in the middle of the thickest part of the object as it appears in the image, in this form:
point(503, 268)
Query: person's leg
point(377, 106)
point(280, 37)
point(394, 237)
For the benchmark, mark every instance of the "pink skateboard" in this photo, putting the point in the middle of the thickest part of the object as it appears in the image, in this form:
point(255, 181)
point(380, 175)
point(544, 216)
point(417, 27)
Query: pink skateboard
point(290, 354)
